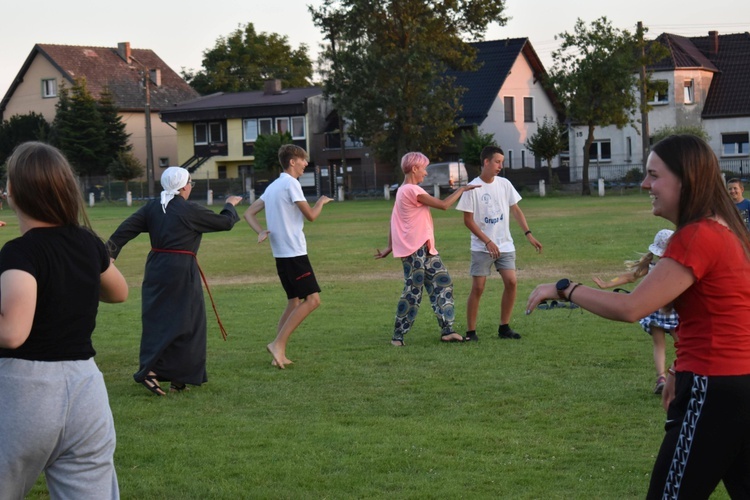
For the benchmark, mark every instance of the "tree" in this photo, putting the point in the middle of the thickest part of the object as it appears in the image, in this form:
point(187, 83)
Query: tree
point(386, 63)
point(115, 137)
point(266, 151)
point(19, 129)
point(667, 130)
point(473, 142)
point(79, 130)
point(548, 141)
point(244, 60)
point(125, 167)
point(595, 75)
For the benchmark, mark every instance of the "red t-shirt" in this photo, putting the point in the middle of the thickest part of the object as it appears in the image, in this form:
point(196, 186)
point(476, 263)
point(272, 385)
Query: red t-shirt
point(714, 330)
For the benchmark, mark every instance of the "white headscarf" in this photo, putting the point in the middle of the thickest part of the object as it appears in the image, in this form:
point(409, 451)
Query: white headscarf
point(172, 180)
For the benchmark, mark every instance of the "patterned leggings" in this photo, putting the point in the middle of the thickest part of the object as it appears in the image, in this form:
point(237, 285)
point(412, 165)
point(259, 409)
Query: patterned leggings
point(424, 270)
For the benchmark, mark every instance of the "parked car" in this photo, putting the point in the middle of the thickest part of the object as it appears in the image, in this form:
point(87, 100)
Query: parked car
point(447, 175)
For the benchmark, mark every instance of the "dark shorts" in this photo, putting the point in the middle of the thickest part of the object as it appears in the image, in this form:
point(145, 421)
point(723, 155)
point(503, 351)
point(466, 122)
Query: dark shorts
point(297, 276)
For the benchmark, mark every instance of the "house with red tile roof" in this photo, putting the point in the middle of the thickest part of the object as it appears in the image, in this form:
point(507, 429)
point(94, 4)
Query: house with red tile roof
point(121, 69)
point(703, 83)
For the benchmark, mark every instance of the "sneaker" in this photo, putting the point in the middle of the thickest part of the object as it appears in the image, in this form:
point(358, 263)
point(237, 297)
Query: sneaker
point(509, 334)
point(471, 336)
point(659, 387)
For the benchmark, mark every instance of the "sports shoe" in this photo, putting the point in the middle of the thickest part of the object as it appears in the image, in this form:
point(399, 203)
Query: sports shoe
point(509, 334)
point(471, 336)
point(659, 387)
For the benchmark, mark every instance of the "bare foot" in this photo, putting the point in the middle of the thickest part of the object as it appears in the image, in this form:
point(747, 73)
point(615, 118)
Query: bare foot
point(278, 357)
point(287, 361)
point(452, 337)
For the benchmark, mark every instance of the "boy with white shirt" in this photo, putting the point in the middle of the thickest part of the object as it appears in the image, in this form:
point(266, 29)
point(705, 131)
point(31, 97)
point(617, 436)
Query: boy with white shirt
point(286, 210)
point(486, 210)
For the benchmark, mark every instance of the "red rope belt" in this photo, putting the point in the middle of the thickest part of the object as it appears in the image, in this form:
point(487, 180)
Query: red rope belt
point(203, 277)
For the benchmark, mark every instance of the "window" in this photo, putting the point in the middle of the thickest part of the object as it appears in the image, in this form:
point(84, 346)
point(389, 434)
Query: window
point(528, 109)
point(298, 127)
point(265, 126)
point(222, 171)
point(600, 151)
point(658, 92)
point(523, 158)
point(689, 92)
point(206, 133)
point(282, 125)
point(629, 148)
point(735, 144)
point(249, 130)
point(163, 161)
point(49, 88)
point(508, 158)
point(508, 104)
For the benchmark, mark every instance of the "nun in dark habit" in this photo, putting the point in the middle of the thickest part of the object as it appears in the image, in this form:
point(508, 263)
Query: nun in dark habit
point(173, 340)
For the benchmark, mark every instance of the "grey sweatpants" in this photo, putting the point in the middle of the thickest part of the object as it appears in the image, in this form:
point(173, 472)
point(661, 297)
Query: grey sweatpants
point(55, 418)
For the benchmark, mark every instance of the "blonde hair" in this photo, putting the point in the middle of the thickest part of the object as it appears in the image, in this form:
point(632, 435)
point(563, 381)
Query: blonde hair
point(639, 267)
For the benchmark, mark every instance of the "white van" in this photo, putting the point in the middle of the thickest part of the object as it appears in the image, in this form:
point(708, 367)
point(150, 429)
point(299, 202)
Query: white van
point(448, 175)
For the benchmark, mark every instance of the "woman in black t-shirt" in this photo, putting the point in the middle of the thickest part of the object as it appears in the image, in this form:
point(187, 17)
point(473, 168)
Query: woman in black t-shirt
point(55, 416)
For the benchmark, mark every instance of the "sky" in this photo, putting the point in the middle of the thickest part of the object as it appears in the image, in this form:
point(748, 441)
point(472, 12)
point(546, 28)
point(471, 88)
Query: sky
point(179, 31)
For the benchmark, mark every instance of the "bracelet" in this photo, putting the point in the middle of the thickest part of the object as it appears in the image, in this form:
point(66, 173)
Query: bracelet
point(527, 232)
point(487, 243)
point(570, 295)
point(671, 371)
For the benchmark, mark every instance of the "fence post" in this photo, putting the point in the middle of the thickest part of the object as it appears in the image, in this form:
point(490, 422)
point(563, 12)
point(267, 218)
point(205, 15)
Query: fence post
point(91, 199)
point(436, 190)
point(210, 197)
point(542, 190)
point(129, 199)
point(601, 187)
point(387, 192)
point(341, 193)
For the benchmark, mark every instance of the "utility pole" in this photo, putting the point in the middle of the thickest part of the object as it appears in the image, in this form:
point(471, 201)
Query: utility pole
point(149, 144)
point(645, 134)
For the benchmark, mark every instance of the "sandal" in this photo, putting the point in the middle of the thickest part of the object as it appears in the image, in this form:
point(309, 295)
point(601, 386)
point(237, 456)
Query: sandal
point(398, 343)
point(178, 387)
point(151, 382)
point(450, 338)
point(659, 387)
point(543, 305)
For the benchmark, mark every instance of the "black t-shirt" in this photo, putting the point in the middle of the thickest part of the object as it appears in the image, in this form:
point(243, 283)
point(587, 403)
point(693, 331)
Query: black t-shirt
point(67, 263)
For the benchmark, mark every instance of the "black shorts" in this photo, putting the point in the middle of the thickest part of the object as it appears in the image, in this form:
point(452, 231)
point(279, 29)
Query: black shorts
point(297, 276)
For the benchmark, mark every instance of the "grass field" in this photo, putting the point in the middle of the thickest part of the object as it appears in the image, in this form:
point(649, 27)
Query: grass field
point(566, 412)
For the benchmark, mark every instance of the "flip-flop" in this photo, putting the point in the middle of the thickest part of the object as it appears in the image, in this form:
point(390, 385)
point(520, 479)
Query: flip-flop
point(448, 341)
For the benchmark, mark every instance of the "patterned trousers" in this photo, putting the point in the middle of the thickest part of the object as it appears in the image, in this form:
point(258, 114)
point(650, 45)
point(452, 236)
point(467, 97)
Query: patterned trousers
point(422, 270)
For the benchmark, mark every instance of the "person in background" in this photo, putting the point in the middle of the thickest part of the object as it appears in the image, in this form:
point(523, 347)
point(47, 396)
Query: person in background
point(54, 409)
point(286, 210)
point(703, 272)
point(411, 238)
point(173, 340)
point(736, 189)
point(661, 322)
point(486, 212)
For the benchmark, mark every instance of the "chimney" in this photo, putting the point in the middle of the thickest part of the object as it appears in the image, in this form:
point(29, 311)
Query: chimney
point(123, 50)
point(713, 42)
point(271, 87)
point(155, 75)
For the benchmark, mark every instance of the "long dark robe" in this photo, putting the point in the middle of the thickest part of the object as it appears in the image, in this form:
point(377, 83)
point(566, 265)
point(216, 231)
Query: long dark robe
point(173, 340)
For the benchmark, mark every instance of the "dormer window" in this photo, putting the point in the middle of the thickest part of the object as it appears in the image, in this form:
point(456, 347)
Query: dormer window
point(689, 92)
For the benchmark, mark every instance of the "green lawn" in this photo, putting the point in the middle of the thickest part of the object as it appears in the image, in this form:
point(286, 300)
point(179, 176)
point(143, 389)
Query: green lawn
point(566, 412)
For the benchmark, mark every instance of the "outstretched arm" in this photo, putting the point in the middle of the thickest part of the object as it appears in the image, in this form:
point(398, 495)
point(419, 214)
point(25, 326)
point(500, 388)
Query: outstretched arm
point(517, 214)
point(622, 279)
point(445, 204)
point(312, 213)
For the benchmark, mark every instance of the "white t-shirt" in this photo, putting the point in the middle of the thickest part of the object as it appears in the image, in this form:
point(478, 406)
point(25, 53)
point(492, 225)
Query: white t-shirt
point(284, 219)
point(490, 205)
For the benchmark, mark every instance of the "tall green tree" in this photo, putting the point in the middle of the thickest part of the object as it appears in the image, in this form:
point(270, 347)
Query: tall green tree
point(595, 75)
point(385, 67)
point(19, 129)
point(79, 130)
point(125, 167)
point(549, 140)
point(116, 139)
point(244, 59)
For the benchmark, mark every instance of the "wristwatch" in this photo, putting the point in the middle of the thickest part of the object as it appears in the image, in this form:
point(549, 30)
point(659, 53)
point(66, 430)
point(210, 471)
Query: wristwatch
point(561, 286)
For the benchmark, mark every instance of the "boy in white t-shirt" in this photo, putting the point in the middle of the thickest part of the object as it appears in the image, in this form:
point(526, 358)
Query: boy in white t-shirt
point(286, 210)
point(486, 210)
